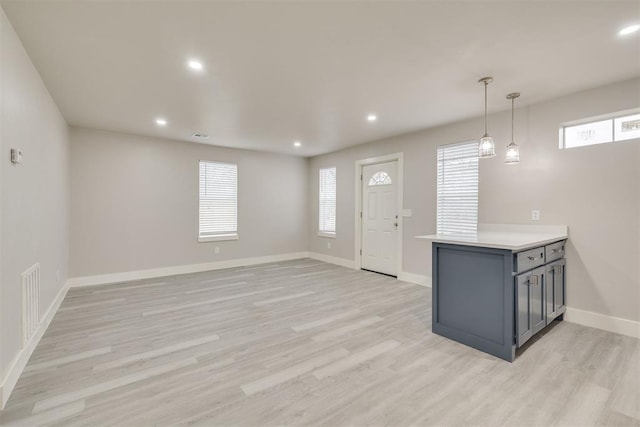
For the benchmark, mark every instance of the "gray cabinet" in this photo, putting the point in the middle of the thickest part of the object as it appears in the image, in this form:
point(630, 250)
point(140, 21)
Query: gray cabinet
point(539, 292)
point(473, 297)
point(530, 311)
point(555, 289)
point(495, 300)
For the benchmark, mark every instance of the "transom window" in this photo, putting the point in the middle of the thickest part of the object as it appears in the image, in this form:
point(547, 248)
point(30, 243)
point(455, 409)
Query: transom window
point(380, 178)
point(615, 127)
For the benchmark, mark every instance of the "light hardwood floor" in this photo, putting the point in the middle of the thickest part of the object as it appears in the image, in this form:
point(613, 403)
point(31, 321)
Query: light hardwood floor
point(305, 343)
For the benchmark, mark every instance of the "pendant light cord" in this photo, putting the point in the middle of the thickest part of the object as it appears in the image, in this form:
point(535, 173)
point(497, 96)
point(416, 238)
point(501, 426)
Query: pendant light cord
point(485, 107)
point(512, 107)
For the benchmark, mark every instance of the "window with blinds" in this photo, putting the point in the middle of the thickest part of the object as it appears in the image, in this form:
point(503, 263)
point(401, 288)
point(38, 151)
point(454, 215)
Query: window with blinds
point(458, 188)
point(218, 201)
point(327, 210)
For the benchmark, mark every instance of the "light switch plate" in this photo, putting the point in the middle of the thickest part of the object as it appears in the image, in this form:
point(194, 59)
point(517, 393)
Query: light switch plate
point(16, 156)
point(535, 215)
point(407, 213)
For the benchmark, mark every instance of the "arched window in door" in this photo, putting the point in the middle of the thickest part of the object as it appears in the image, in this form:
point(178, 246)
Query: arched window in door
point(380, 178)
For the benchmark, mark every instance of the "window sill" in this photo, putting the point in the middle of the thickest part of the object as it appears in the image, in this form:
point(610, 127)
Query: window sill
point(325, 234)
point(217, 238)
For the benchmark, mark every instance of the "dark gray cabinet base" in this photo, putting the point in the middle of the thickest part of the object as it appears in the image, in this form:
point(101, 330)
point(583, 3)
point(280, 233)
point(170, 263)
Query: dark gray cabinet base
point(472, 299)
point(479, 299)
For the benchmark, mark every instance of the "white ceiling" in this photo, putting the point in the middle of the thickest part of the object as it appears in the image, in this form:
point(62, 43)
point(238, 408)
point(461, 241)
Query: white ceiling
point(276, 72)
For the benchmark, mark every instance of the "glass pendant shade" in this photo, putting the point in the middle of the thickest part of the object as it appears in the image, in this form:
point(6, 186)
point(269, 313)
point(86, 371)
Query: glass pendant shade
point(486, 148)
point(512, 156)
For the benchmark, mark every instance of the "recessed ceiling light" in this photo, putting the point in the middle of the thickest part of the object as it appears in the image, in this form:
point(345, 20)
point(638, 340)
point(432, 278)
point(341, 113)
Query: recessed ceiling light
point(297, 143)
point(629, 30)
point(161, 122)
point(372, 117)
point(195, 65)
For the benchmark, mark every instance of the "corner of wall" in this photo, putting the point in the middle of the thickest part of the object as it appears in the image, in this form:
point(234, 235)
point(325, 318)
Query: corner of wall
point(2, 18)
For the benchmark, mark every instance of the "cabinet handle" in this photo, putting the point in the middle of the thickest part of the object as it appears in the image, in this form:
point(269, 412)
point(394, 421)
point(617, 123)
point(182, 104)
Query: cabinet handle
point(555, 251)
point(531, 258)
point(533, 280)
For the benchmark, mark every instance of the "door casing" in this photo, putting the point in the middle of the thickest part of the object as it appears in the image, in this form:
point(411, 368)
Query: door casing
point(399, 157)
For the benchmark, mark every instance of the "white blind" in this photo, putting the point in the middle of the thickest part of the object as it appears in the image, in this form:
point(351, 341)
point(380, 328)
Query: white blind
point(327, 213)
point(458, 188)
point(218, 198)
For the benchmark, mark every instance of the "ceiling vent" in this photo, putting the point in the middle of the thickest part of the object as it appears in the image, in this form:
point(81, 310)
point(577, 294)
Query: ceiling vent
point(200, 135)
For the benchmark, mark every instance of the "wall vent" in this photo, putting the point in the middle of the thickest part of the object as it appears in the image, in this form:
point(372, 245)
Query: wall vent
point(30, 302)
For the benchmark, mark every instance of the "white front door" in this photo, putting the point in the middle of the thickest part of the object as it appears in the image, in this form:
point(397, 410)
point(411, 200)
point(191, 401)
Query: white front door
point(380, 218)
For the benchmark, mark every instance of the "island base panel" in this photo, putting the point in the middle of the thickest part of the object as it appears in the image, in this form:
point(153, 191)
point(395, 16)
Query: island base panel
point(473, 299)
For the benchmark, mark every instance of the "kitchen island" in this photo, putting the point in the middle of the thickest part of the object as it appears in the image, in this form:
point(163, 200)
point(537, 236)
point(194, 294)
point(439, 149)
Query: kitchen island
point(495, 289)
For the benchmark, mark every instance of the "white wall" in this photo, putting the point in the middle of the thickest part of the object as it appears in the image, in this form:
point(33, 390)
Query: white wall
point(594, 190)
point(134, 203)
point(34, 195)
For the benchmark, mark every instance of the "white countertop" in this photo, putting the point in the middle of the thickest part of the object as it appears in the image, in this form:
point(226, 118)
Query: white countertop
point(506, 236)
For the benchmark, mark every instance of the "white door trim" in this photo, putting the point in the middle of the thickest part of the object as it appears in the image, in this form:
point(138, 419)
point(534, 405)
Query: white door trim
point(399, 157)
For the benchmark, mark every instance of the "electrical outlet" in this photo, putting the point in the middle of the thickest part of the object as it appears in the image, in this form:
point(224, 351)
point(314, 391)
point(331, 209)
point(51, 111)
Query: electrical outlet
point(328, 245)
point(216, 250)
point(535, 215)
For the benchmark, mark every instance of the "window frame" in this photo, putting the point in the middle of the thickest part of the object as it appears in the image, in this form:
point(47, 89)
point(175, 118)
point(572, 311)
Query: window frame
point(609, 117)
point(223, 236)
point(321, 232)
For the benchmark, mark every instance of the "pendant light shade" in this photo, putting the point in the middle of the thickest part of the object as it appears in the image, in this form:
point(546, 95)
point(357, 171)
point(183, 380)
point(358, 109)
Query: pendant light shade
point(512, 156)
point(486, 148)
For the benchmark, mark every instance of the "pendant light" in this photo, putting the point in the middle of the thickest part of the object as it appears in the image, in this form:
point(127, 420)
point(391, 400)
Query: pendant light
point(487, 147)
point(513, 153)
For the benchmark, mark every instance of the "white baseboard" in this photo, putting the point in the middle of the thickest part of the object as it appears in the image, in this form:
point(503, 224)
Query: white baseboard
point(418, 279)
point(404, 276)
point(332, 260)
point(600, 321)
point(128, 276)
point(20, 361)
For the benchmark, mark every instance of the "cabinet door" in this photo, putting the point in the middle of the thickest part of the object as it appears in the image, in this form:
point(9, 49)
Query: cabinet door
point(524, 329)
point(531, 310)
point(538, 306)
point(555, 289)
